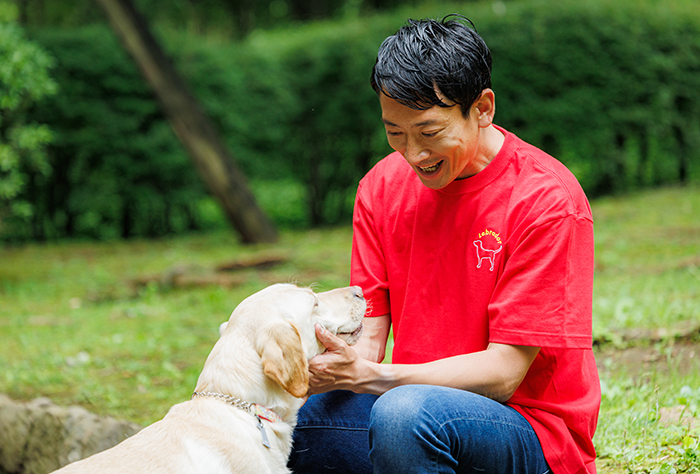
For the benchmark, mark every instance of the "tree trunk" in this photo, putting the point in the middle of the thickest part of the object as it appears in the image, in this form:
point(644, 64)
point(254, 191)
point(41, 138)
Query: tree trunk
point(190, 123)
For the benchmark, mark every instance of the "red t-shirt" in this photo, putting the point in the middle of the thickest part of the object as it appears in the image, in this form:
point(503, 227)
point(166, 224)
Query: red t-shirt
point(504, 256)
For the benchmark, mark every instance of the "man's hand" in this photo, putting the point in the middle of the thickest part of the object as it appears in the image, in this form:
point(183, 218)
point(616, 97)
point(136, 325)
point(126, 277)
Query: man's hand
point(335, 369)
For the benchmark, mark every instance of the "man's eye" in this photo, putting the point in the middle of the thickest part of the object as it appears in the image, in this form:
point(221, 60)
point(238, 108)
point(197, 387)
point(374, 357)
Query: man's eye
point(429, 134)
point(393, 134)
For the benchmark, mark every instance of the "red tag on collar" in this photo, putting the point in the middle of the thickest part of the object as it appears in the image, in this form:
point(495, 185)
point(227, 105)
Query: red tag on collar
point(264, 413)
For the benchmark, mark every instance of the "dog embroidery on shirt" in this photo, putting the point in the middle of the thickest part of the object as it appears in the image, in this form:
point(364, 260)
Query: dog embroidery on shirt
point(486, 253)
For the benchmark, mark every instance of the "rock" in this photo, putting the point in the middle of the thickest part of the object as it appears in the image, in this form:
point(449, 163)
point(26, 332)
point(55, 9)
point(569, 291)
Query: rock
point(39, 436)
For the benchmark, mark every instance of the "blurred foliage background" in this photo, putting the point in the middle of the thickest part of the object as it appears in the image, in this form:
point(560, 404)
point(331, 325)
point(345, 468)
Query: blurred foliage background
point(610, 88)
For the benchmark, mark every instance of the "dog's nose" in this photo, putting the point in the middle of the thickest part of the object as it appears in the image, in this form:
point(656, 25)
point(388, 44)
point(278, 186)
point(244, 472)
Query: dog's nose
point(357, 291)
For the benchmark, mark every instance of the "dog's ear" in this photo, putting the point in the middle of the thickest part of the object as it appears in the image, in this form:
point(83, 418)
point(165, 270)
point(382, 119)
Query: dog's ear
point(283, 358)
point(222, 328)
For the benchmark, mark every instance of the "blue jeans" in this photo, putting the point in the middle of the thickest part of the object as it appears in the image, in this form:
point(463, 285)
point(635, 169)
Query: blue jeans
point(413, 429)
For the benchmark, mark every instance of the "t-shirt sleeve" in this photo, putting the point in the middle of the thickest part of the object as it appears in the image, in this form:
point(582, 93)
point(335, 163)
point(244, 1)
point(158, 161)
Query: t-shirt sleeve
point(368, 265)
point(544, 297)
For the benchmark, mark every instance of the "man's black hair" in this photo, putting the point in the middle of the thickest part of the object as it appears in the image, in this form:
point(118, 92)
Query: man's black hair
point(425, 55)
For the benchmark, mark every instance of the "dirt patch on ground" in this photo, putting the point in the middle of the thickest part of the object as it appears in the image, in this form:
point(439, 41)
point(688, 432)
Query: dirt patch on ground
point(680, 358)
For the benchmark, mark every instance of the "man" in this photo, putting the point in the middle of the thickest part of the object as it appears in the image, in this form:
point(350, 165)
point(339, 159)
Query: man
point(477, 249)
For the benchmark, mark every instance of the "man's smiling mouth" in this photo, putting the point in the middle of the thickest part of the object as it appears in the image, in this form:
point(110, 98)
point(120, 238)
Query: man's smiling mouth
point(431, 168)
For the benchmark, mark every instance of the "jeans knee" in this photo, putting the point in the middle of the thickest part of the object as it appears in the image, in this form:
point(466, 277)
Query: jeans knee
point(399, 405)
point(398, 416)
point(421, 428)
point(404, 435)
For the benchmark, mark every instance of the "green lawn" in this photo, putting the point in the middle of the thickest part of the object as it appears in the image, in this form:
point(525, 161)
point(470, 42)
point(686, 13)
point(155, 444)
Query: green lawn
point(78, 324)
point(647, 280)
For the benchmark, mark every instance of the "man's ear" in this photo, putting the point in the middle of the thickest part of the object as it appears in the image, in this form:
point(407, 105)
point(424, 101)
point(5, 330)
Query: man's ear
point(283, 357)
point(485, 107)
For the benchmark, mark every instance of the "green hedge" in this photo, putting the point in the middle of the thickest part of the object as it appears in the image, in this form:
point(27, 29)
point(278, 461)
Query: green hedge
point(118, 170)
point(611, 90)
point(335, 134)
point(24, 80)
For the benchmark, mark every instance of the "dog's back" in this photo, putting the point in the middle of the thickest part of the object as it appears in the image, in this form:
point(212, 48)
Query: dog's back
point(182, 443)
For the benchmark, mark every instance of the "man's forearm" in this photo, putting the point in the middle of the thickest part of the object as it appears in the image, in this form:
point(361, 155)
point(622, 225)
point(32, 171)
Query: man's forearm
point(495, 373)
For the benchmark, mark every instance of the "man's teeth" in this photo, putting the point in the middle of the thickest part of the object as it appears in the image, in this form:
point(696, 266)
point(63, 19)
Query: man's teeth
point(430, 169)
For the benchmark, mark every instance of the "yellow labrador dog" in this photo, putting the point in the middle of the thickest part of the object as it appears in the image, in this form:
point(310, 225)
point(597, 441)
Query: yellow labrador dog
point(241, 416)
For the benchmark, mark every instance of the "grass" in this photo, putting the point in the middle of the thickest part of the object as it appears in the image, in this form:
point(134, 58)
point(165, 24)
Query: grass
point(647, 260)
point(648, 279)
point(75, 327)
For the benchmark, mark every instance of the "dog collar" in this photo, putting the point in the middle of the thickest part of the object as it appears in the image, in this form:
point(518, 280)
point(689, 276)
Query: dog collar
point(254, 409)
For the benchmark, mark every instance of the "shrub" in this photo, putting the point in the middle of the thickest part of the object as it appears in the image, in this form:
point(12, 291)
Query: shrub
point(118, 169)
point(612, 90)
point(335, 134)
point(24, 80)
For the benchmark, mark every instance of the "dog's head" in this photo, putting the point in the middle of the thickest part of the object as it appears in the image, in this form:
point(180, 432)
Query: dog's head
point(279, 321)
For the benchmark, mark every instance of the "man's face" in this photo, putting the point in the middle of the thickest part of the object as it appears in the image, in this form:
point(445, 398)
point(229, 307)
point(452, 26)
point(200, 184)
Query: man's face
point(440, 144)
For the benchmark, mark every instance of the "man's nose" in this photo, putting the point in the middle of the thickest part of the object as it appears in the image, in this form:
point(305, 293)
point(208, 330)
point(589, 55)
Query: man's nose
point(415, 153)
